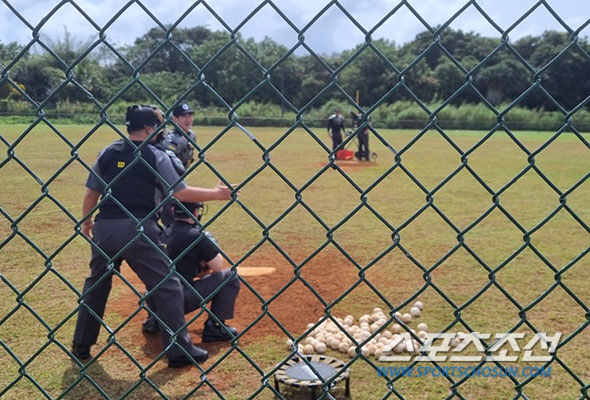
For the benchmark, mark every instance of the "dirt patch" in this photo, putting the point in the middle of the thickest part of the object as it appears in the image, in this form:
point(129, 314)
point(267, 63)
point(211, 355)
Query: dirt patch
point(294, 308)
point(349, 165)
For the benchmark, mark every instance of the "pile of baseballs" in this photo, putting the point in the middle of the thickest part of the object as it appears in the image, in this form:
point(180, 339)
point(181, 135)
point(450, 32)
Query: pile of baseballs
point(329, 335)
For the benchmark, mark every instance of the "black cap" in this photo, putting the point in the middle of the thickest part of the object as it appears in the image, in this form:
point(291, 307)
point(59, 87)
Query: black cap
point(139, 116)
point(180, 213)
point(182, 109)
point(336, 110)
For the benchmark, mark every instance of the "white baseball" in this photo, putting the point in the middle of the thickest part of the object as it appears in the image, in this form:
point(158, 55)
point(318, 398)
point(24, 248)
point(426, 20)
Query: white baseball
point(320, 348)
point(400, 348)
point(365, 351)
point(351, 351)
point(343, 347)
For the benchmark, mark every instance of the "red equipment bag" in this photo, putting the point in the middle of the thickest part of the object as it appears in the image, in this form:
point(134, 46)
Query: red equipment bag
point(344, 155)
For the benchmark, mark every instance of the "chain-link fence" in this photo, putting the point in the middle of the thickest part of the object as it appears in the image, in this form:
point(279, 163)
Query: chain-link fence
point(19, 313)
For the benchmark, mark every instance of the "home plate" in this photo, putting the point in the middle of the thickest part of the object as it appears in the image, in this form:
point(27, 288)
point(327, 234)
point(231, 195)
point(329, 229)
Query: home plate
point(254, 271)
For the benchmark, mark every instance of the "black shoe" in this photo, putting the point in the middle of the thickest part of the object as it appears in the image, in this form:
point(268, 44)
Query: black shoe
point(214, 332)
point(81, 352)
point(198, 355)
point(150, 325)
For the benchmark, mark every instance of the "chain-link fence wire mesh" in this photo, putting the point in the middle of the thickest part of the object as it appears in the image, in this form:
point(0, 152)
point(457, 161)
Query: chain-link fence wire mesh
point(233, 121)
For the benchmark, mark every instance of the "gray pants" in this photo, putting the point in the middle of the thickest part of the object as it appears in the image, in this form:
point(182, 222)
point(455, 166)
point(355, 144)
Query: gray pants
point(363, 146)
point(150, 266)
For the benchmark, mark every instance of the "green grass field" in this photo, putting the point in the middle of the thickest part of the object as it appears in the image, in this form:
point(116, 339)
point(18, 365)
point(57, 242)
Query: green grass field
point(433, 256)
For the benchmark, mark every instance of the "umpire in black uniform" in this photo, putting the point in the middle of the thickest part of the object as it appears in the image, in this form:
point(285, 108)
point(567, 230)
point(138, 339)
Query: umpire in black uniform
point(116, 236)
point(204, 270)
point(335, 128)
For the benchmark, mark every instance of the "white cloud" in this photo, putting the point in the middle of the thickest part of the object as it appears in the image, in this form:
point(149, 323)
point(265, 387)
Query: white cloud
point(332, 32)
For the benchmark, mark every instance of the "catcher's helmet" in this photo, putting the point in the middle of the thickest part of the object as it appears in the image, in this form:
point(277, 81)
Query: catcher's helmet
point(191, 207)
point(139, 116)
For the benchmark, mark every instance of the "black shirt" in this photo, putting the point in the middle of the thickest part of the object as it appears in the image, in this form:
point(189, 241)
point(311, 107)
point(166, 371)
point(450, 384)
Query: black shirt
point(336, 123)
point(178, 237)
point(136, 186)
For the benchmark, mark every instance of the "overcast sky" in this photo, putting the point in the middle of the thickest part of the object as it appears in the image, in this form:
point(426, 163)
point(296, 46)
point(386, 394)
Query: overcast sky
point(332, 32)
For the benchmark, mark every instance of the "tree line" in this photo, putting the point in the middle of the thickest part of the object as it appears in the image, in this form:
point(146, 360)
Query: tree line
point(193, 61)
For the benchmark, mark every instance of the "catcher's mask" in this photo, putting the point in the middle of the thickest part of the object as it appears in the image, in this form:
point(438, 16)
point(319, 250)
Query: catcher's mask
point(191, 207)
point(139, 116)
point(179, 145)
